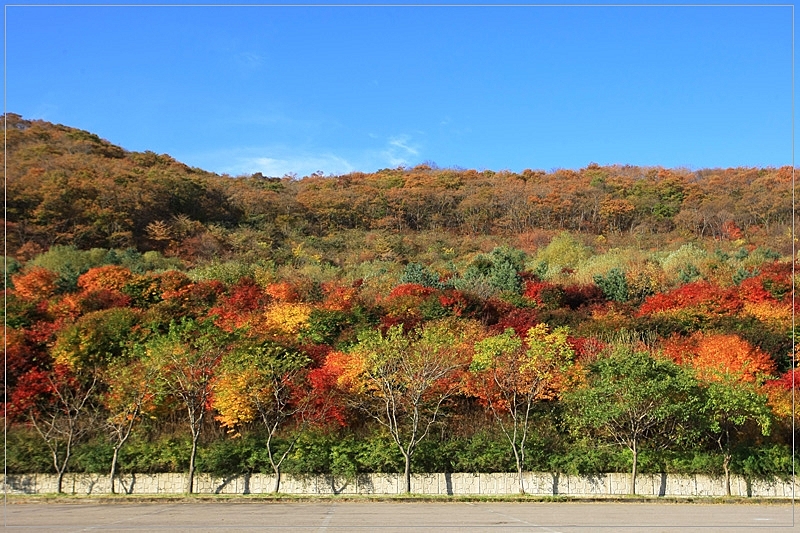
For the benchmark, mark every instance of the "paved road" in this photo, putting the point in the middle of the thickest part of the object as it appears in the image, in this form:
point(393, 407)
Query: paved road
point(394, 516)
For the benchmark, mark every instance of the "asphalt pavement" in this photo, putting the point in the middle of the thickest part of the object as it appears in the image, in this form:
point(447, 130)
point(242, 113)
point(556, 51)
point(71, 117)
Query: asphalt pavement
point(332, 516)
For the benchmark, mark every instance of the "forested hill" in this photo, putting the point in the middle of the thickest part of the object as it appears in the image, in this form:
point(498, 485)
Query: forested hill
point(150, 300)
point(68, 186)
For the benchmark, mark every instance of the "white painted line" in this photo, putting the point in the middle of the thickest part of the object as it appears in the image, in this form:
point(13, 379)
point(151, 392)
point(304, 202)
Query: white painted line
point(328, 517)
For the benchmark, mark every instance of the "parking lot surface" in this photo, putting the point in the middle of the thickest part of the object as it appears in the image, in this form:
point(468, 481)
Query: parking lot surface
point(565, 517)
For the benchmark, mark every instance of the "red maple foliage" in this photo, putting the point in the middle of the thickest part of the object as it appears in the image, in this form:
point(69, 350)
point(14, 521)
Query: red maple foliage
point(282, 291)
point(37, 284)
point(717, 355)
point(411, 289)
point(234, 310)
point(328, 402)
point(518, 319)
point(701, 296)
point(108, 277)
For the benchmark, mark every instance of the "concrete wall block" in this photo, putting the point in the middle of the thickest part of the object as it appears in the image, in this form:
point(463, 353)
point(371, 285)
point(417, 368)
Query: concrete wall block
point(539, 483)
point(618, 483)
point(582, 485)
point(172, 483)
point(256, 484)
point(494, 483)
point(334, 485)
point(646, 485)
point(91, 484)
point(424, 484)
point(52, 484)
point(471, 483)
point(441, 483)
point(681, 486)
point(203, 484)
point(269, 483)
point(738, 486)
point(19, 484)
point(227, 485)
point(661, 484)
point(294, 484)
point(379, 484)
point(710, 485)
point(148, 483)
point(764, 488)
point(459, 483)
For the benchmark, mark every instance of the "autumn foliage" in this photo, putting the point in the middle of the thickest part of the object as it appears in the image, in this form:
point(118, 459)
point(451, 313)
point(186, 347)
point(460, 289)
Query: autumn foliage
point(190, 304)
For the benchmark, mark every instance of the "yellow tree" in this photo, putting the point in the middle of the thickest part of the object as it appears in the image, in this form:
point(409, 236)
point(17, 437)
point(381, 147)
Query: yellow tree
point(403, 381)
point(130, 393)
point(512, 375)
point(264, 383)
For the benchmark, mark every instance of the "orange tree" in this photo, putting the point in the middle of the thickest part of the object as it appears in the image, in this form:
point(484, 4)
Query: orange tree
point(404, 380)
point(511, 375)
point(730, 372)
point(263, 382)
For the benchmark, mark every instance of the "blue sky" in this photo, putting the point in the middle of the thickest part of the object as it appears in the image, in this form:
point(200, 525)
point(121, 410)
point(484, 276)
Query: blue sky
point(283, 90)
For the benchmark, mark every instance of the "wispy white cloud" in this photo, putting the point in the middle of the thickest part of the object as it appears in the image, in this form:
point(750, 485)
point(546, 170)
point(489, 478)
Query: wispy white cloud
point(281, 160)
point(275, 161)
point(248, 60)
point(299, 164)
point(400, 150)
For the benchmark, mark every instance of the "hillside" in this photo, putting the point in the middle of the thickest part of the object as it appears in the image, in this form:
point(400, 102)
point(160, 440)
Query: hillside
point(438, 320)
point(68, 186)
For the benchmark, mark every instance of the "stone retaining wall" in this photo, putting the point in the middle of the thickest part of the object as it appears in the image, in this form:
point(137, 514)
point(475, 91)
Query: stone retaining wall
point(459, 483)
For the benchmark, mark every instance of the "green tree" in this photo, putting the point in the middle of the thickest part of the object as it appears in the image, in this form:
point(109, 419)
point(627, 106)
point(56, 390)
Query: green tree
point(185, 360)
point(635, 399)
point(95, 339)
point(613, 284)
point(731, 406)
point(418, 274)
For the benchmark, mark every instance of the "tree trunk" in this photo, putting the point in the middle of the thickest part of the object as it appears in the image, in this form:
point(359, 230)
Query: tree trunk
point(634, 468)
point(408, 473)
point(726, 466)
point(277, 470)
point(61, 469)
point(190, 483)
point(519, 469)
point(113, 473)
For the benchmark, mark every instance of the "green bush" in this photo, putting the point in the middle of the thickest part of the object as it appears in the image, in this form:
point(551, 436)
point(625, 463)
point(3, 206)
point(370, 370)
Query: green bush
point(231, 456)
point(93, 457)
point(613, 284)
point(26, 452)
point(483, 452)
point(764, 462)
point(418, 274)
